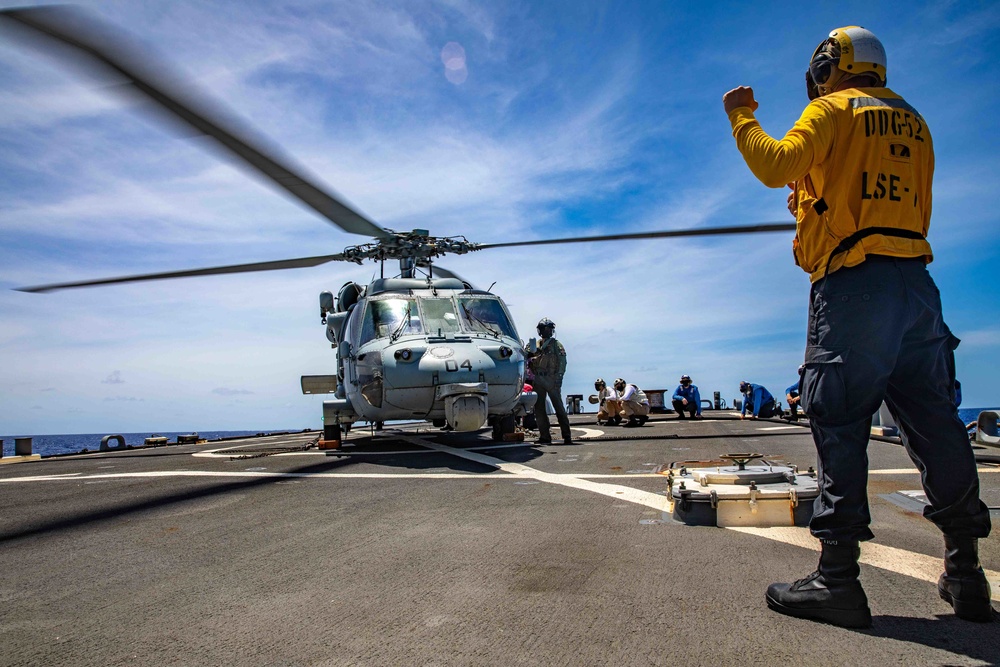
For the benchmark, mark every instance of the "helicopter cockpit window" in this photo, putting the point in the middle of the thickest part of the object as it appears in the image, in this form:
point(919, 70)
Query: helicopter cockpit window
point(439, 316)
point(390, 318)
point(485, 315)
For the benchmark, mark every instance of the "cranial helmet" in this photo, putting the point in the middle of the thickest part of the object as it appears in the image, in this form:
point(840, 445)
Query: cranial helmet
point(619, 384)
point(744, 386)
point(545, 327)
point(599, 383)
point(685, 379)
point(846, 52)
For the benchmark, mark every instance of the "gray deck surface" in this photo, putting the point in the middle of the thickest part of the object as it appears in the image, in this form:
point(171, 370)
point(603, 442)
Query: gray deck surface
point(399, 554)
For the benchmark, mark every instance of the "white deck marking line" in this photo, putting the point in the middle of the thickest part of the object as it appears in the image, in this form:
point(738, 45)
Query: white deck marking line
point(900, 561)
point(250, 474)
point(629, 494)
point(784, 428)
point(908, 563)
point(73, 477)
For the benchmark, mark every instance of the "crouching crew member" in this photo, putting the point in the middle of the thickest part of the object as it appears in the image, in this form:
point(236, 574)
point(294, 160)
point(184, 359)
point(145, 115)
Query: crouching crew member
point(687, 399)
point(635, 405)
point(549, 365)
point(609, 410)
point(793, 398)
point(860, 161)
point(757, 400)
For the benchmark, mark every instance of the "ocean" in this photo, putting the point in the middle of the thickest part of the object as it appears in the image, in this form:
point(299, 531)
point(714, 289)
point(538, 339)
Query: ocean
point(51, 445)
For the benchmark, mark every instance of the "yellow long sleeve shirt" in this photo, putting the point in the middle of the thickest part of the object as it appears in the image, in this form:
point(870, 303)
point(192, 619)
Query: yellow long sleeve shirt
point(856, 158)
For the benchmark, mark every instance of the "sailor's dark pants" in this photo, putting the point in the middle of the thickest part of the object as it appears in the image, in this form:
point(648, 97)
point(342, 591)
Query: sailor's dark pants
point(680, 408)
point(876, 332)
point(550, 387)
point(768, 410)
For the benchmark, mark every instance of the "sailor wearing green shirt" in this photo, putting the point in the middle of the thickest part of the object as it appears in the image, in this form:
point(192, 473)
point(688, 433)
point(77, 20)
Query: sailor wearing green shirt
point(549, 365)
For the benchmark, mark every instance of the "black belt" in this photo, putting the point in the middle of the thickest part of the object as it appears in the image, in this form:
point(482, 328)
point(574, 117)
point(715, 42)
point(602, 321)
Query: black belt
point(853, 239)
point(890, 258)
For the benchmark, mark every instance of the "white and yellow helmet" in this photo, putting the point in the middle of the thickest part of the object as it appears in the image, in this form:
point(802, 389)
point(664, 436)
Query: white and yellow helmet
point(848, 51)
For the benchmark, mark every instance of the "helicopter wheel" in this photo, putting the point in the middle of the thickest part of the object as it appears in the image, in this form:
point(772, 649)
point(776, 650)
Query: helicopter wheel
point(502, 426)
point(332, 435)
point(379, 426)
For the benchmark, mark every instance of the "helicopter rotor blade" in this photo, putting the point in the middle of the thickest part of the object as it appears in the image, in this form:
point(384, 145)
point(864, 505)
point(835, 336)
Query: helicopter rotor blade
point(110, 53)
point(276, 265)
point(703, 231)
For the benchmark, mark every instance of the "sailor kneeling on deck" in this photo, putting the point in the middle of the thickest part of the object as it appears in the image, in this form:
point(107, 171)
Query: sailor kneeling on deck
point(610, 406)
point(757, 400)
point(687, 399)
point(635, 405)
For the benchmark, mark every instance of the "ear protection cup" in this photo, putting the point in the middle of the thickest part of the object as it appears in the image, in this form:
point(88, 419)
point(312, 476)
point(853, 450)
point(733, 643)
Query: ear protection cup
point(812, 92)
point(824, 62)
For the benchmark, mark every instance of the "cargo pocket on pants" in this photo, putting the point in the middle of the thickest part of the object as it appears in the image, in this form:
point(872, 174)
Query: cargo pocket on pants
point(823, 391)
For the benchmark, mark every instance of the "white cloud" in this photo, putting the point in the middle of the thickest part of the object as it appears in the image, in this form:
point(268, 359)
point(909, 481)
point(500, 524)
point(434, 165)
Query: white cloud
point(114, 378)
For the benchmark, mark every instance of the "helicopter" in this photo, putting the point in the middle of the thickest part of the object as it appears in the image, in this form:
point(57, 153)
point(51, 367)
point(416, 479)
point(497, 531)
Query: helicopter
point(420, 343)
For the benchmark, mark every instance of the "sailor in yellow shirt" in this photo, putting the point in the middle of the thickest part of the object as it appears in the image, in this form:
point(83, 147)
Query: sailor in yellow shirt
point(860, 162)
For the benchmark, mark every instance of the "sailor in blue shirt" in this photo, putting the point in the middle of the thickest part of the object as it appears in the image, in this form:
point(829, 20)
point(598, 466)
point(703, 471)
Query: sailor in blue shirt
point(757, 400)
point(792, 396)
point(687, 399)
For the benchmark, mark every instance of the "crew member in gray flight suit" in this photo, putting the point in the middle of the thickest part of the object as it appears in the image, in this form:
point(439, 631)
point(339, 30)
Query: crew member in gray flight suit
point(549, 365)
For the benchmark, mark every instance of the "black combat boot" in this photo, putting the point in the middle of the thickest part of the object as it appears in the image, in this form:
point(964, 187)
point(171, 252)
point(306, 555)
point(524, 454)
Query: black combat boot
point(831, 594)
point(964, 583)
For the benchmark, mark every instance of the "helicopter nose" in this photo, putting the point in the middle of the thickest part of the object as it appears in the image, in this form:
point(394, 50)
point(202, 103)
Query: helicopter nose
point(466, 404)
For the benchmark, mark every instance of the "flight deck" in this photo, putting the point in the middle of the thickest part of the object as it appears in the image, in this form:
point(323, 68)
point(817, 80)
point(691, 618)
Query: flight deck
point(414, 545)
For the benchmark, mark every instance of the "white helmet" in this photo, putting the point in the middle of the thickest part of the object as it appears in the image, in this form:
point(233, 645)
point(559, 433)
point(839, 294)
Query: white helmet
point(848, 51)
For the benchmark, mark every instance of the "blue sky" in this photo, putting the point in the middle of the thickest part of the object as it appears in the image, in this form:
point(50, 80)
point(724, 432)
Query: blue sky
point(568, 118)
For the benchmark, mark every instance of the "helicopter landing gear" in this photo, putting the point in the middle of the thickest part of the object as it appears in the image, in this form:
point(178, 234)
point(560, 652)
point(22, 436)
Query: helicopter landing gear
point(379, 426)
point(503, 426)
point(332, 436)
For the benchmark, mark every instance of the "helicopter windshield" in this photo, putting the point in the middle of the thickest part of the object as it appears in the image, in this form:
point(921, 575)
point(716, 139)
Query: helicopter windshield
point(485, 315)
point(439, 316)
point(386, 318)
